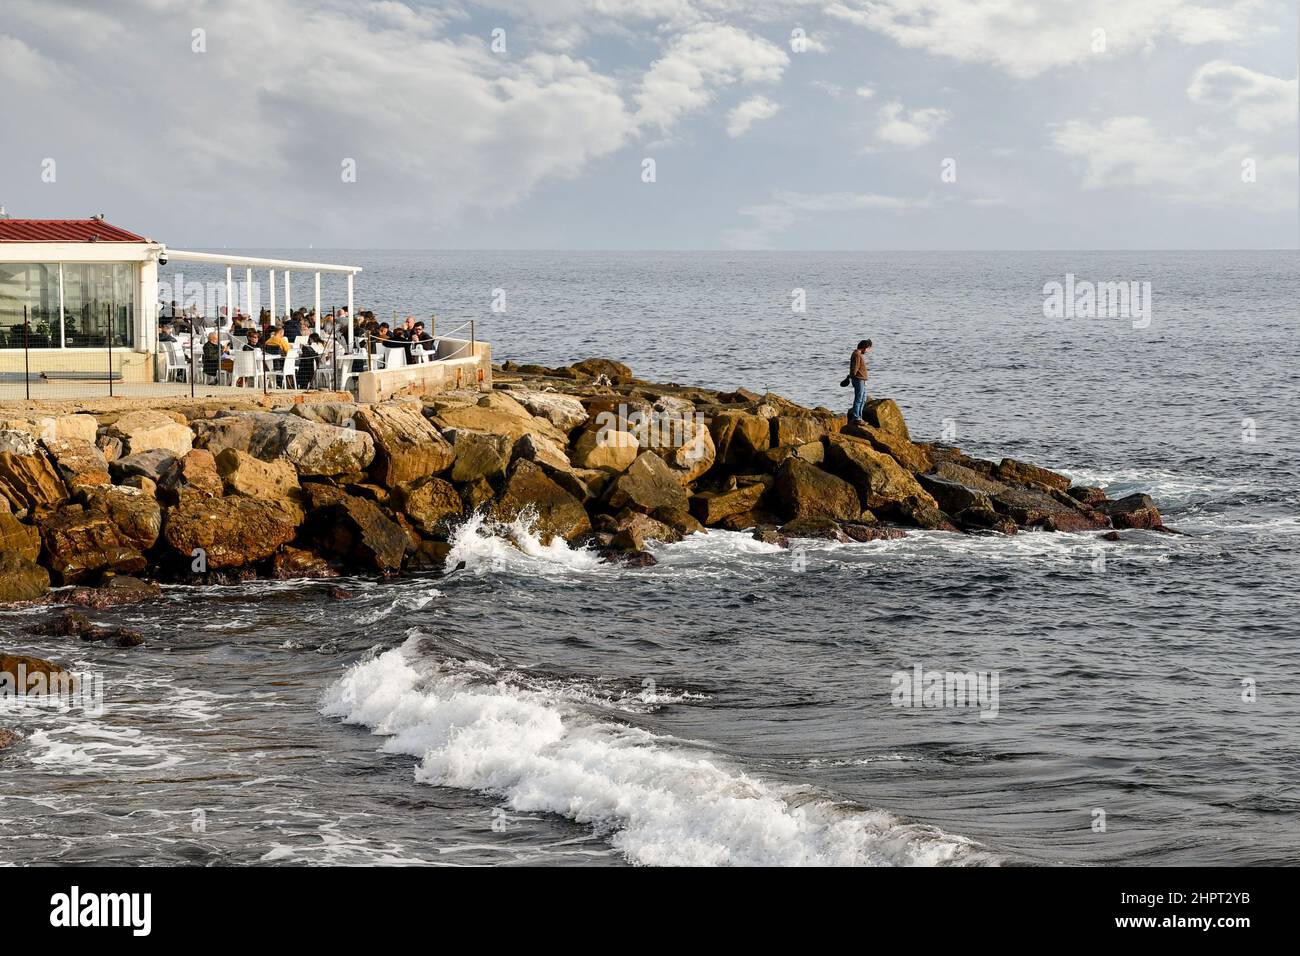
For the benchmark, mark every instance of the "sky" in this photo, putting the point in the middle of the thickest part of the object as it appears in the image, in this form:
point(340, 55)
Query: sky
point(657, 124)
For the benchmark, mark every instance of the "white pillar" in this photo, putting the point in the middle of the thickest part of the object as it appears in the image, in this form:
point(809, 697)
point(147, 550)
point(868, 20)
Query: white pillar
point(288, 308)
point(349, 307)
point(271, 273)
point(317, 303)
point(248, 293)
point(230, 298)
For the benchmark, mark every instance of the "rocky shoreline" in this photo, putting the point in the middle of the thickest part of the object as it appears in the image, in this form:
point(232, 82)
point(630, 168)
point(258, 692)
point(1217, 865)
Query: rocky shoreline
point(97, 508)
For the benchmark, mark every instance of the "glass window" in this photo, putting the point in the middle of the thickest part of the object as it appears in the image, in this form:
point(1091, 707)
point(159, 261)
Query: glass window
point(98, 302)
point(34, 287)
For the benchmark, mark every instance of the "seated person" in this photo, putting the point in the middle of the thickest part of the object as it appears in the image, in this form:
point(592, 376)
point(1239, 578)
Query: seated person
point(292, 327)
point(212, 353)
point(165, 334)
point(308, 358)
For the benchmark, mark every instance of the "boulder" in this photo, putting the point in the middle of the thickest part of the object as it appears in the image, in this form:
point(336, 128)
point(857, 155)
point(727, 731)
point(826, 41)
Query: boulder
point(14, 441)
point(797, 430)
point(357, 531)
point(475, 495)
point(194, 473)
point(292, 563)
point(484, 455)
point(340, 414)
point(529, 490)
point(146, 430)
point(632, 530)
point(21, 579)
point(407, 446)
point(230, 532)
point(647, 484)
point(312, 448)
point(109, 445)
point(911, 456)
point(8, 738)
point(738, 436)
point(115, 591)
point(273, 481)
point(868, 532)
point(616, 372)
point(81, 464)
point(608, 449)
point(1028, 506)
point(563, 411)
point(881, 482)
point(18, 538)
point(953, 497)
point(30, 483)
point(80, 544)
point(428, 503)
point(76, 427)
point(711, 507)
point(679, 519)
point(134, 513)
point(1087, 495)
point(1134, 511)
point(985, 519)
point(882, 413)
point(1023, 473)
point(684, 443)
point(497, 420)
point(17, 669)
point(953, 471)
point(807, 492)
point(823, 529)
point(152, 464)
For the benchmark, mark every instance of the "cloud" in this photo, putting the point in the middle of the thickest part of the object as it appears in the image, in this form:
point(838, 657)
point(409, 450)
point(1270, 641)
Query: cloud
point(752, 111)
point(1256, 101)
point(1128, 152)
point(1027, 37)
point(787, 208)
point(909, 128)
point(704, 58)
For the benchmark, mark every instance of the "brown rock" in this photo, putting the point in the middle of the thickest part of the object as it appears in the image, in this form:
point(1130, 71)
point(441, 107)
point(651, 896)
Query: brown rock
point(807, 492)
point(797, 430)
point(229, 532)
point(146, 429)
point(8, 738)
point(80, 463)
point(911, 456)
point(529, 490)
point(953, 497)
point(407, 446)
point(739, 436)
point(1023, 473)
point(134, 513)
point(648, 484)
point(617, 372)
point(21, 579)
point(484, 455)
point(18, 538)
point(476, 495)
point(607, 449)
point(80, 544)
point(17, 672)
point(823, 529)
point(881, 482)
point(194, 473)
point(1087, 495)
point(985, 519)
point(429, 502)
point(116, 591)
point(679, 519)
point(358, 531)
point(868, 532)
point(711, 507)
point(1134, 511)
point(293, 563)
point(31, 483)
point(882, 413)
point(244, 476)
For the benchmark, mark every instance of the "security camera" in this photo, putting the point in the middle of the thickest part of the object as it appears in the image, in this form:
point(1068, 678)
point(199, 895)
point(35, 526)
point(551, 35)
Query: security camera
point(162, 260)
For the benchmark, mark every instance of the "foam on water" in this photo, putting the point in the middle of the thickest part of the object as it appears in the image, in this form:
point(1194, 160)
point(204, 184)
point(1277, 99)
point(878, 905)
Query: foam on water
point(487, 546)
point(660, 801)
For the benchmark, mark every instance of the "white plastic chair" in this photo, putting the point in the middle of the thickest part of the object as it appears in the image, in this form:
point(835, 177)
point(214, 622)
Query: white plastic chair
point(175, 361)
point(395, 357)
point(248, 367)
point(287, 375)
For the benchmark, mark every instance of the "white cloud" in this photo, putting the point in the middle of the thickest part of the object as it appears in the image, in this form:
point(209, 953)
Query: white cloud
point(751, 111)
point(1128, 152)
point(909, 128)
point(1256, 101)
point(702, 59)
point(865, 92)
point(1026, 37)
point(786, 208)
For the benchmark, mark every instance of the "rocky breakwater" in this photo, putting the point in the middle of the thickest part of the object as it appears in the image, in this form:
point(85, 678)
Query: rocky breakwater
point(91, 503)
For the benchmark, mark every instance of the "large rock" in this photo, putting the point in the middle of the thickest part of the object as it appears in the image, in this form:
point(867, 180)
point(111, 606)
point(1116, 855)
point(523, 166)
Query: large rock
point(311, 447)
point(738, 436)
point(357, 530)
point(685, 444)
point(15, 441)
point(17, 669)
point(18, 538)
point(21, 579)
point(911, 456)
point(498, 420)
point(807, 492)
point(342, 414)
point(881, 482)
point(273, 481)
point(606, 448)
point(135, 513)
point(194, 473)
point(563, 411)
point(1023, 473)
point(963, 475)
point(77, 427)
point(484, 455)
point(797, 430)
point(1029, 506)
point(549, 454)
point(81, 544)
point(31, 483)
point(647, 485)
point(81, 464)
point(882, 413)
point(152, 464)
point(617, 372)
point(953, 497)
point(712, 507)
point(429, 502)
point(407, 446)
point(146, 429)
point(230, 532)
point(529, 490)
point(1134, 511)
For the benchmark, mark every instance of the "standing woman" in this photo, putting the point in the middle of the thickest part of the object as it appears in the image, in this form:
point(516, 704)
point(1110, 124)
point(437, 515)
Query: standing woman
point(858, 376)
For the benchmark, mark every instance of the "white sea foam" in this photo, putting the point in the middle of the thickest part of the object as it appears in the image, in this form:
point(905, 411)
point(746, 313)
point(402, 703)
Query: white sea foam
point(659, 801)
point(488, 546)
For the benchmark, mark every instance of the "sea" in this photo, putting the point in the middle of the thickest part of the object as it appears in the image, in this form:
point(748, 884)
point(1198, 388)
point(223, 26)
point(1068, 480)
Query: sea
point(1041, 699)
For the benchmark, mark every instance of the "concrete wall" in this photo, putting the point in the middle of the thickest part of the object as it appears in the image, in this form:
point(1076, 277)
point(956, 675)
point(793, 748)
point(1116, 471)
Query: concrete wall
point(133, 366)
point(455, 367)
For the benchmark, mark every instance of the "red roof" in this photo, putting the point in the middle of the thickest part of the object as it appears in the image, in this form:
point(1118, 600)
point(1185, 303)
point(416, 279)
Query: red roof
point(64, 230)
